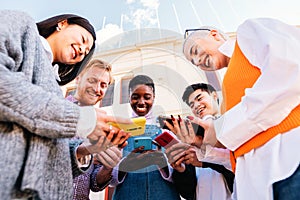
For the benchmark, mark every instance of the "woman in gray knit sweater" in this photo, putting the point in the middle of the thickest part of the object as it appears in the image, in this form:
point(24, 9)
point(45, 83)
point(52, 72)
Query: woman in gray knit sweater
point(35, 120)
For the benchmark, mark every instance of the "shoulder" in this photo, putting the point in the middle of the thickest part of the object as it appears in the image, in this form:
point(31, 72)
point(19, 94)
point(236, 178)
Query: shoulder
point(257, 37)
point(10, 19)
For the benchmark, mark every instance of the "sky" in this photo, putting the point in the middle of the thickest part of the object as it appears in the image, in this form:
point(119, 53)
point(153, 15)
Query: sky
point(111, 17)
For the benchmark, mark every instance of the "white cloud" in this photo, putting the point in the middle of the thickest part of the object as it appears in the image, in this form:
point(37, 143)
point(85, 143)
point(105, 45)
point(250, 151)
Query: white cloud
point(108, 32)
point(153, 4)
point(143, 14)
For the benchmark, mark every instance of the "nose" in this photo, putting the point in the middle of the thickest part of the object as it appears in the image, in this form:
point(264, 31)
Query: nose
point(141, 101)
point(196, 105)
point(99, 89)
point(196, 61)
point(83, 50)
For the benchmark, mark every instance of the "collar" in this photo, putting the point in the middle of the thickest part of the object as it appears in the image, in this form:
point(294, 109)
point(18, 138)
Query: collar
point(228, 47)
point(50, 56)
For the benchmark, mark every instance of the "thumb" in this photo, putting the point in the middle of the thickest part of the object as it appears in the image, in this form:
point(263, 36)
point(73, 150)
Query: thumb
point(197, 120)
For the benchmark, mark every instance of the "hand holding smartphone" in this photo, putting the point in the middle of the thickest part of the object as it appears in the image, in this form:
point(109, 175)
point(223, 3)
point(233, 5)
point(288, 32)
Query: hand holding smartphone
point(137, 127)
point(199, 130)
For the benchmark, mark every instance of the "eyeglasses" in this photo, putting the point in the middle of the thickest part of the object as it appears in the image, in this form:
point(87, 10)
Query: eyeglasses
point(186, 33)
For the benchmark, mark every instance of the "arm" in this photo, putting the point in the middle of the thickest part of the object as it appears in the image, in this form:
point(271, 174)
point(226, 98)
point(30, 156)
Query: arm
point(76, 169)
point(273, 47)
point(29, 94)
point(186, 182)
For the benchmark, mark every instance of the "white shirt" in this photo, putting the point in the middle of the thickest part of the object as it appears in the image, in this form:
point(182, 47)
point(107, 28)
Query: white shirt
point(211, 185)
point(274, 48)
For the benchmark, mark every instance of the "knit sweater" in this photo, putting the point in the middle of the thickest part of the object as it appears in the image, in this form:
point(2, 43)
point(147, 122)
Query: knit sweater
point(35, 120)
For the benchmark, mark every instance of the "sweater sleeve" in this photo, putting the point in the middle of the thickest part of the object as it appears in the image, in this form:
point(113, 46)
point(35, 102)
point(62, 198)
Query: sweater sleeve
point(29, 94)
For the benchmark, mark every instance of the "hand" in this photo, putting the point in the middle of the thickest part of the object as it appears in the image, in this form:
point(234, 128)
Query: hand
point(183, 130)
point(102, 128)
point(110, 157)
point(176, 152)
point(210, 133)
point(191, 157)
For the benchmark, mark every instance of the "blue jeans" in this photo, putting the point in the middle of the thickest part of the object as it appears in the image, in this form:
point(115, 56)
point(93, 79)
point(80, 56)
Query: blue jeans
point(289, 188)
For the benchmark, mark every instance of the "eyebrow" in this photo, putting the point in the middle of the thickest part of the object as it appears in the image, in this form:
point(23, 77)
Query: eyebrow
point(196, 97)
point(191, 50)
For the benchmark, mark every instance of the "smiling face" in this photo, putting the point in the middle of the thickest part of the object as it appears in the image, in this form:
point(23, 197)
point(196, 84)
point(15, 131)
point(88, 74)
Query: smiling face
point(70, 44)
point(203, 52)
point(92, 86)
point(202, 103)
point(141, 99)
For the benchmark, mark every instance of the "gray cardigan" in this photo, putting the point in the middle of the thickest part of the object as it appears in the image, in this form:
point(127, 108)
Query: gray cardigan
point(35, 120)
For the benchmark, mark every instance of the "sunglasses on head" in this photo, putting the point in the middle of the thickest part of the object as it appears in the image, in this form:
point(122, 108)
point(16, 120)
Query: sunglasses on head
point(187, 31)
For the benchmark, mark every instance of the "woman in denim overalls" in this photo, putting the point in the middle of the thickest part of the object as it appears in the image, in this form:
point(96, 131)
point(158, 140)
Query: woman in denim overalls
point(143, 174)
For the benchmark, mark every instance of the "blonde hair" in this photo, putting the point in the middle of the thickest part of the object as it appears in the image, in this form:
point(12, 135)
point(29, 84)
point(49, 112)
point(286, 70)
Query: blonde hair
point(100, 64)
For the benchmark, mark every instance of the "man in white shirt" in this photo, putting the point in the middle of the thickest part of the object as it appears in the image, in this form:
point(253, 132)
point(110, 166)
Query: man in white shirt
point(269, 50)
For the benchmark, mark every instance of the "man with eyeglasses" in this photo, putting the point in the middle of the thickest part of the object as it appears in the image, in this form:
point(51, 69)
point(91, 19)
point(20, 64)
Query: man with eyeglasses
point(260, 120)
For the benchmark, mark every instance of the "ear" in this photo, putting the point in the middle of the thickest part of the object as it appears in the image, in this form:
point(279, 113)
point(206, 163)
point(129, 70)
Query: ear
point(215, 96)
point(77, 80)
point(216, 35)
point(62, 24)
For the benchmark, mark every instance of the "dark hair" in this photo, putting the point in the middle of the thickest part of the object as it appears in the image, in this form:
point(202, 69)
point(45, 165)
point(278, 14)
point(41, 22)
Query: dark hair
point(191, 88)
point(46, 27)
point(141, 80)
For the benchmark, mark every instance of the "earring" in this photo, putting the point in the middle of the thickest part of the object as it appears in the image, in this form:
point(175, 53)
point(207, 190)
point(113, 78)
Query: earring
point(58, 28)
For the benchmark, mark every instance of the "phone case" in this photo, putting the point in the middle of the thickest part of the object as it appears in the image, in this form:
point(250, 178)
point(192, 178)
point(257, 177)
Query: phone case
point(136, 128)
point(143, 141)
point(166, 139)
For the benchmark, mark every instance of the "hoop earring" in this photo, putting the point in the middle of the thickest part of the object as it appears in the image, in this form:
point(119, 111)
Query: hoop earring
point(58, 29)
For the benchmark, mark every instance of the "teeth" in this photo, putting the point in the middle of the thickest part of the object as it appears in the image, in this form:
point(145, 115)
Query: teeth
point(141, 109)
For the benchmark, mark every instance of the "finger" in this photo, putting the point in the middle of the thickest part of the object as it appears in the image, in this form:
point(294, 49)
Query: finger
point(179, 161)
point(138, 150)
point(104, 162)
point(117, 151)
point(175, 155)
point(198, 121)
point(190, 128)
point(110, 135)
point(121, 146)
point(170, 126)
point(182, 126)
point(123, 136)
point(178, 146)
point(109, 158)
point(176, 125)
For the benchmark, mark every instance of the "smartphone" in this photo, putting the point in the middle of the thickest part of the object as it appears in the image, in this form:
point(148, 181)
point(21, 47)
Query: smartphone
point(199, 130)
point(143, 141)
point(136, 128)
point(166, 139)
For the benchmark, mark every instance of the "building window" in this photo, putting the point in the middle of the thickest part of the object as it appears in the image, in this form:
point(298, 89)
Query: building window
point(108, 99)
point(124, 89)
point(70, 91)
